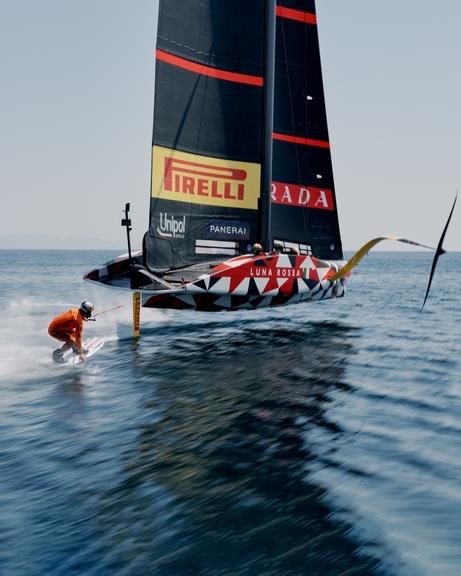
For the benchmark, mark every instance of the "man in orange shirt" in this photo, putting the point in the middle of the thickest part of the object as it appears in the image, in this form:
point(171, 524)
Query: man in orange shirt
point(68, 328)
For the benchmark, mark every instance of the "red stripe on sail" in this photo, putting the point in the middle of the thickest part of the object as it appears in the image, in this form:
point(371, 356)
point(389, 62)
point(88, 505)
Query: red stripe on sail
point(298, 15)
point(299, 140)
point(208, 71)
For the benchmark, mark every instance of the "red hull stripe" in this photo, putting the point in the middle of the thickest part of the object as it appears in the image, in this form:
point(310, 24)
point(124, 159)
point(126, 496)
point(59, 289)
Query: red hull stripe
point(208, 71)
point(299, 140)
point(298, 15)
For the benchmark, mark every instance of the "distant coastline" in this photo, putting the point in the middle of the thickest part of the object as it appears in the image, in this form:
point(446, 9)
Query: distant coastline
point(46, 242)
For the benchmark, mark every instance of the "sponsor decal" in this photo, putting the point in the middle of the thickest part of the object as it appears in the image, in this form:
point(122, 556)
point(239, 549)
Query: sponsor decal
point(204, 180)
point(303, 196)
point(215, 247)
point(265, 272)
point(136, 312)
point(228, 229)
point(171, 226)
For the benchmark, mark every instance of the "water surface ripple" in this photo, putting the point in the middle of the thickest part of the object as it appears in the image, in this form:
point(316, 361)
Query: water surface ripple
point(317, 439)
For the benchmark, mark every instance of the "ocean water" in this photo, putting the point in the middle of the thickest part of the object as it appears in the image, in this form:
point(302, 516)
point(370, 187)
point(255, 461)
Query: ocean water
point(318, 439)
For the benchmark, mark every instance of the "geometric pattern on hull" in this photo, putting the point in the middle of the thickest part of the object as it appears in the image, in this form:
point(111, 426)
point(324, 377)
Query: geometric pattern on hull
point(250, 282)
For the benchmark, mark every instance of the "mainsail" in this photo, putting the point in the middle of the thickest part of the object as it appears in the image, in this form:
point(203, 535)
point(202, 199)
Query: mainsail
point(304, 210)
point(212, 145)
point(209, 131)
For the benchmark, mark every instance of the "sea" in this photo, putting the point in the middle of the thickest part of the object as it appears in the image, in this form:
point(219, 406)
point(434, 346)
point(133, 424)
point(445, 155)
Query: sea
point(316, 439)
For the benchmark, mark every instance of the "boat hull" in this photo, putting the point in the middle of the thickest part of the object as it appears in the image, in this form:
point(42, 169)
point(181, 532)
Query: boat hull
point(243, 283)
point(251, 282)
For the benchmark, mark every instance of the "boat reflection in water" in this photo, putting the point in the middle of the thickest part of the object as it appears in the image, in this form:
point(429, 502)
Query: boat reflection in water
point(220, 479)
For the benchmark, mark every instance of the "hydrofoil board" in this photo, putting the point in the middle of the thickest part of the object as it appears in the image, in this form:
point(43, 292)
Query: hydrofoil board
point(70, 357)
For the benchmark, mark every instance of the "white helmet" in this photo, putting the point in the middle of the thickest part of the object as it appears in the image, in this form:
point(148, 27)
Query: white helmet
point(87, 309)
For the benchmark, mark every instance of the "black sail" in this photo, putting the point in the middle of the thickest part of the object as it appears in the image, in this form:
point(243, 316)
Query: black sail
point(304, 210)
point(208, 137)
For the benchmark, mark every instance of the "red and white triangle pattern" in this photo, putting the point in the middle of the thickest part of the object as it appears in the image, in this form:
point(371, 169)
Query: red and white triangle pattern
point(250, 282)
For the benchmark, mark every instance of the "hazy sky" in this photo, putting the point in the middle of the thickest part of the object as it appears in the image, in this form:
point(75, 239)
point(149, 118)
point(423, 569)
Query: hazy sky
point(76, 116)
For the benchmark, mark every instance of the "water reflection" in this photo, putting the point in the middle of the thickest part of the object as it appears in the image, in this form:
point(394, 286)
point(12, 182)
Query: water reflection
point(218, 482)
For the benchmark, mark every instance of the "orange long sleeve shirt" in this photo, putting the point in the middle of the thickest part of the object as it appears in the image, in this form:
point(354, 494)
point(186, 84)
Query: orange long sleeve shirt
point(68, 325)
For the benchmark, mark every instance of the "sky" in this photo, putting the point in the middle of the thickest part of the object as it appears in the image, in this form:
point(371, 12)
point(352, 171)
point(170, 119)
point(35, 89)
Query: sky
point(76, 105)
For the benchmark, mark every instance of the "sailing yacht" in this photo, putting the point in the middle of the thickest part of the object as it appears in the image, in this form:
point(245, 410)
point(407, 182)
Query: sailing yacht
point(243, 210)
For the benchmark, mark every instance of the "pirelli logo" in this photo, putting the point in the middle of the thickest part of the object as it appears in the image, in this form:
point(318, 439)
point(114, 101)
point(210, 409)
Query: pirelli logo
point(198, 179)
